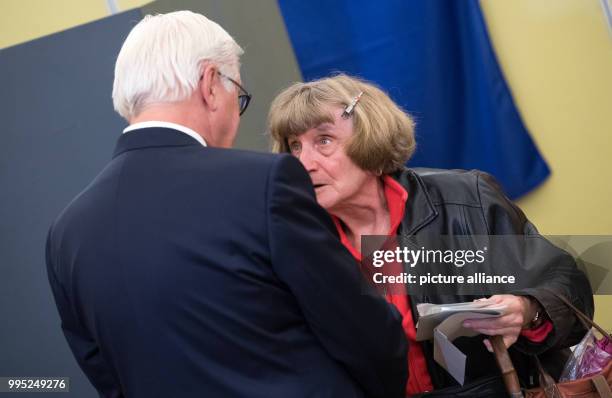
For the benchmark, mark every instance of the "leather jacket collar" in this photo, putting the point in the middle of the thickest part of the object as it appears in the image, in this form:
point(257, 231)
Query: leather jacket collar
point(420, 209)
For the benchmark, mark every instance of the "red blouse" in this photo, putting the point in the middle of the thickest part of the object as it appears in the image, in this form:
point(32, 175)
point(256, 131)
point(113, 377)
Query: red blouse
point(418, 376)
point(419, 380)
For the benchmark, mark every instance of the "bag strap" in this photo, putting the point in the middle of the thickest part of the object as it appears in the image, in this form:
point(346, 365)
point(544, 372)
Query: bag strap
point(506, 367)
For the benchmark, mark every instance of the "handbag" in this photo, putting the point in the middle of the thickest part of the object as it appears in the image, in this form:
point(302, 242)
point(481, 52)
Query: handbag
point(595, 386)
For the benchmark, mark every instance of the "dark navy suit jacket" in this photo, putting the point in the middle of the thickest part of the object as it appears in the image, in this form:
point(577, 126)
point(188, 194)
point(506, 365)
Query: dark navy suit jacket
point(185, 271)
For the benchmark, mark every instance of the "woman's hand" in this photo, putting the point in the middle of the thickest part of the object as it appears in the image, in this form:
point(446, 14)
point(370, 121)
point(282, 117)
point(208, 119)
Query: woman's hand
point(520, 310)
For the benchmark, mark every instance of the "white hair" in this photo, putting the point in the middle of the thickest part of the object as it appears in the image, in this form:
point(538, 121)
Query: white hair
point(162, 58)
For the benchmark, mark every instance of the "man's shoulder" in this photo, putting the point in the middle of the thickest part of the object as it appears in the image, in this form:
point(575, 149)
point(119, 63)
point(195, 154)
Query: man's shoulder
point(246, 159)
point(248, 164)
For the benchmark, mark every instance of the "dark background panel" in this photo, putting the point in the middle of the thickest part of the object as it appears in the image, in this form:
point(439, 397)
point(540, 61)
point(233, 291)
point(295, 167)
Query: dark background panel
point(58, 131)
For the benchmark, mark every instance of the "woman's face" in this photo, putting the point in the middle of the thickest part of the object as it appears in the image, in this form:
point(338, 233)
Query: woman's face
point(336, 179)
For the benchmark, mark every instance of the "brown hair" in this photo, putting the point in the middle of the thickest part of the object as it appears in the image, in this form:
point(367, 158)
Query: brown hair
point(383, 134)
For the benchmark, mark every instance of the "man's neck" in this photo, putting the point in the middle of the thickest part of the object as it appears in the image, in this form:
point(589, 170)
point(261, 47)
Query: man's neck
point(176, 113)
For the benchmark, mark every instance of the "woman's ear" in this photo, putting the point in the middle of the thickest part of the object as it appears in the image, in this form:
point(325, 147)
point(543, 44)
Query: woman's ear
point(208, 88)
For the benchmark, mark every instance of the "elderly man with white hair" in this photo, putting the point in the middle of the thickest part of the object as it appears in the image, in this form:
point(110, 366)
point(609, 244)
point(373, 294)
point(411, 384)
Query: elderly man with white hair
point(186, 269)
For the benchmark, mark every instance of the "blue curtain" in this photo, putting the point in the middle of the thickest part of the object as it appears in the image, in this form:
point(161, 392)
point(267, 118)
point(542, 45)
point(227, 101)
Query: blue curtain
point(435, 59)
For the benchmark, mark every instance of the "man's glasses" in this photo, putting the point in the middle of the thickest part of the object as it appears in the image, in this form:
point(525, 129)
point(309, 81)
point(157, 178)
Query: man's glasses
point(243, 98)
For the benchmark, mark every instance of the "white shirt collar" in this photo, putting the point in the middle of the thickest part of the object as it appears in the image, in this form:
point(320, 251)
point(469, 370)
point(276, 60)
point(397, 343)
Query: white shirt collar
point(174, 126)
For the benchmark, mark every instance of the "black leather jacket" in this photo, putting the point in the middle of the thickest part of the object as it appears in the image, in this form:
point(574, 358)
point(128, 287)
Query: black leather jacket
point(457, 202)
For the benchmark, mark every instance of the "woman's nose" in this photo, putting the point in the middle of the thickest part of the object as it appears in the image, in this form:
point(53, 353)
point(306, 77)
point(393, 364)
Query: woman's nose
point(307, 157)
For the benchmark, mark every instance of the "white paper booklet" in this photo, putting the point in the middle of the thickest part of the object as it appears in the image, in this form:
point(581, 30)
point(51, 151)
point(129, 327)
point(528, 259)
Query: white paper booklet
point(444, 323)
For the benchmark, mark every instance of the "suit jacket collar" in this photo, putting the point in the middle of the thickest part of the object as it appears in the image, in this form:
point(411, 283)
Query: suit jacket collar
point(152, 137)
point(420, 209)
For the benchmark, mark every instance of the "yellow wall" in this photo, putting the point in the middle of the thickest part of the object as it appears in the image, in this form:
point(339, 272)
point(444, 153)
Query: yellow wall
point(557, 58)
point(24, 20)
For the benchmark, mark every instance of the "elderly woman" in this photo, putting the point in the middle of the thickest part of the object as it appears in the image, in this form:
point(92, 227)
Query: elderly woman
point(354, 141)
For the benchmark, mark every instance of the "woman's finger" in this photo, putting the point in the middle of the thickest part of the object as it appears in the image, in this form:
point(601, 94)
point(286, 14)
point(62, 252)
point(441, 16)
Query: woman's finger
point(492, 323)
point(499, 332)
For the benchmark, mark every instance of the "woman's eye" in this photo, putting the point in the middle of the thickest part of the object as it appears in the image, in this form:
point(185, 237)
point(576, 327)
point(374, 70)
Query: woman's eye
point(324, 141)
point(294, 147)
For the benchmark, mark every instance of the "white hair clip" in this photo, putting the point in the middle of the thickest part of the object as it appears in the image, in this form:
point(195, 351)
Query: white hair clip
point(348, 111)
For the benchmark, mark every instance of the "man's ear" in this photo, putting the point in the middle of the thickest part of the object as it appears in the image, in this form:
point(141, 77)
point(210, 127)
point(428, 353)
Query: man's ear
point(208, 87)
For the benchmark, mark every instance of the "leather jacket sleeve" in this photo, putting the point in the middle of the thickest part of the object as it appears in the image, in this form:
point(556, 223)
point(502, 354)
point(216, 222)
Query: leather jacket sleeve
point(561, 273)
